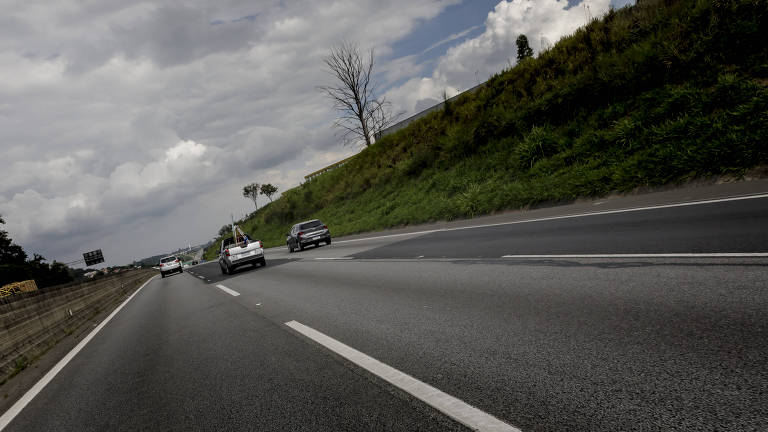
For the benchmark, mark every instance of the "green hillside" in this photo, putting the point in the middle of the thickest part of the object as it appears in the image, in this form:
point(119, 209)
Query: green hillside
point(658, 93)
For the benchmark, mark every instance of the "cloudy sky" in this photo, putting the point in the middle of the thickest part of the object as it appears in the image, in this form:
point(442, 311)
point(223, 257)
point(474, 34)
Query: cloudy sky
point(132, 126)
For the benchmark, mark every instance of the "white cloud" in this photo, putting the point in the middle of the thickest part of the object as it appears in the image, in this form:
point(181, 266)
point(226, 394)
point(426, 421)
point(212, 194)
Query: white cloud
point(121, 120)
point(417, 94)
point(451, 38)
point(475, 60)
point(115, 114)
point(184, 163)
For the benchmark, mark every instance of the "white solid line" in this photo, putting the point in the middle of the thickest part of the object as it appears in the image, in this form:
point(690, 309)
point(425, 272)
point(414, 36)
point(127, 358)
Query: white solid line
point(331, 259)
point(40, 385)
point(651, 255)
point(227, 290)
point(569, 216)
point(455, 408)
point(395, 235)
point(201, 277)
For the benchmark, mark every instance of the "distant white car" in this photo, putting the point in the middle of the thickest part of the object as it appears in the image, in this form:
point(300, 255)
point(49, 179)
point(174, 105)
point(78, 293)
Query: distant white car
point(170, 264)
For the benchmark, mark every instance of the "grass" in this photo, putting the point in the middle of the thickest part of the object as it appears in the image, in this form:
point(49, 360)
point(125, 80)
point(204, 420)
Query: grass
point(654, 94)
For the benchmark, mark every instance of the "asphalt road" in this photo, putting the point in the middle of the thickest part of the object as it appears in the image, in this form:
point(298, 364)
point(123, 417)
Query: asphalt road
point(544, 344)
point(184, 356)
point(738, 226)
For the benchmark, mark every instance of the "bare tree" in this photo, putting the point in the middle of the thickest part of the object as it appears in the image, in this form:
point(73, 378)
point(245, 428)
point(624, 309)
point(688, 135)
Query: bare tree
point(362, 115)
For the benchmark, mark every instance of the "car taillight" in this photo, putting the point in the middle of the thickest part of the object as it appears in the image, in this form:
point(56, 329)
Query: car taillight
point(161, 264)
point(325, 226)
point(261, 245)
point(301, 233)
point(176, 261)
point(226, 252)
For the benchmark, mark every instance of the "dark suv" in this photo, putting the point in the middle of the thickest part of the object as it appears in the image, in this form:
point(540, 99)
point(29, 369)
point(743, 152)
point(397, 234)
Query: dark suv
point(309, 232)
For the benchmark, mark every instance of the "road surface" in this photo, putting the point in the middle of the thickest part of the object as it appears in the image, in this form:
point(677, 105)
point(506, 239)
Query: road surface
point(648, 319)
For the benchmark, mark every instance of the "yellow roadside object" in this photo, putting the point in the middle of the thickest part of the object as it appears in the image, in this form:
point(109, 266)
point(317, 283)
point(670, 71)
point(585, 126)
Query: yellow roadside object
point(14, 287)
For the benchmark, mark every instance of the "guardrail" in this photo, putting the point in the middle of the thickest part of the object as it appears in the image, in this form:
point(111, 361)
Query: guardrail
point(33, 322)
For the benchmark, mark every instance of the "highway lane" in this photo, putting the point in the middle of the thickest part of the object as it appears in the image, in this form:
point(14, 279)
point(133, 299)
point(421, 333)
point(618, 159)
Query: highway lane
point(554, 344)
point(543, 344)
point(735, 226)
point(183, 356)
point(549, 345)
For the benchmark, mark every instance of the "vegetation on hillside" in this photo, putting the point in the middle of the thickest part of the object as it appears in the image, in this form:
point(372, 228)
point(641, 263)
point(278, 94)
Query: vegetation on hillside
point(15, 266)
point(657, 93)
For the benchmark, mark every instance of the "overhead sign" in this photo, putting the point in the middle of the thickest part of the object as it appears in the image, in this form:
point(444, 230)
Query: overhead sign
point(93, 257)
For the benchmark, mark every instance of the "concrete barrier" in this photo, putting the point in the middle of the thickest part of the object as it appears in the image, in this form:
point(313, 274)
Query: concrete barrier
point(32, 322)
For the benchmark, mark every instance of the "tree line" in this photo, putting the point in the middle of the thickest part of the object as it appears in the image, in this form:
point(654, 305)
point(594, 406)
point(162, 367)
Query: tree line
point(16, 266)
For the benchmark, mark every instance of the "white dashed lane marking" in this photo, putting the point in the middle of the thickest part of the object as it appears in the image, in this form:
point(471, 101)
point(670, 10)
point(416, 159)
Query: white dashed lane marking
point(455, 408)
point(227, 290)
point(657, 255)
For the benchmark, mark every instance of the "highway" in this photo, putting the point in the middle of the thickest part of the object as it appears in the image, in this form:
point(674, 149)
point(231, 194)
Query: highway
point(641, 313)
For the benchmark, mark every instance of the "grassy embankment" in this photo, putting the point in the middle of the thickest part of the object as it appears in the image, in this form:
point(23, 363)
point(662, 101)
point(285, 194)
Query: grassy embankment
point(658, 93)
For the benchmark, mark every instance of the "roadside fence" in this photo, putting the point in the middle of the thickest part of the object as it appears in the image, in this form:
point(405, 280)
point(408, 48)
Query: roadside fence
point(33, 322)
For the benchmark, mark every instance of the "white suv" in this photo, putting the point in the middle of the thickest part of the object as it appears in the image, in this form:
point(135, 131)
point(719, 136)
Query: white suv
point(169, 265)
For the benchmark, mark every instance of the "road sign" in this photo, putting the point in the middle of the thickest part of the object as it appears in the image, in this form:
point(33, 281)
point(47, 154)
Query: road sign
point(93, 257)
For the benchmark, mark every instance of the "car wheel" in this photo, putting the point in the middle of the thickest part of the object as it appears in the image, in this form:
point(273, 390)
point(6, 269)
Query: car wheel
point(223, 270)
point(317, 244)
point(263, 262)
point(301, 246)
point(181, 270)
point(328, 241)
point(290, 248)
point(162, 275)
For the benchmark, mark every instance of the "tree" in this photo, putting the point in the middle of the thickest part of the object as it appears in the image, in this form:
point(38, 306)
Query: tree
point(252, 191)
point(15, 267)
point(224, 230)
point(524, 51)
point(10, 253)
point(267, 189)
point(362, 116)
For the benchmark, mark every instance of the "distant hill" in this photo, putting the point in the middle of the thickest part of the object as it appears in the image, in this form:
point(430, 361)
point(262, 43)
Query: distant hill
point(653, 94)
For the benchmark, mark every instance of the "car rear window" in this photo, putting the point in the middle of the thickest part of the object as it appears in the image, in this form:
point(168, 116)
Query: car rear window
point(168, 259)
point(229, 240)
point(313, 224)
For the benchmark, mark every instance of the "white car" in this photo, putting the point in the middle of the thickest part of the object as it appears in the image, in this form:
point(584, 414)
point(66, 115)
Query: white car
point(235, 254)
point(170, 264)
